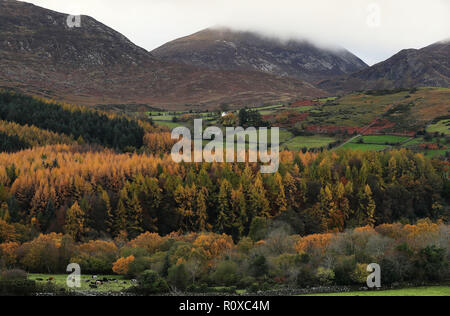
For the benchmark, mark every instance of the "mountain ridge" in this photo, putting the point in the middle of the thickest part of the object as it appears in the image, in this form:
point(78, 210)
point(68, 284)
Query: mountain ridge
point(409, 68)
point(224, 49)
point(95, 65)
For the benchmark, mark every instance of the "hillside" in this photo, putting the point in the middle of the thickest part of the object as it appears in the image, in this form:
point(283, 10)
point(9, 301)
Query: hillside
point(429, 66)
point(225, 49)
point(95, 65)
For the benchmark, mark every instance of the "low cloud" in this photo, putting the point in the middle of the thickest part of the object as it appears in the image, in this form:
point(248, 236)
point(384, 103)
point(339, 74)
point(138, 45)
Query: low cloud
point(372, 29)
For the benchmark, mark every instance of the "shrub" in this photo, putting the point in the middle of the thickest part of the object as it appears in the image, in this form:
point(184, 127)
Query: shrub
point(431, 264)
point(226, 273)
point(259, 266)
point(149, 282)
point(138, 266)
point(344, 270)
point(325, 276)
point(178, 277)
point(14, 275)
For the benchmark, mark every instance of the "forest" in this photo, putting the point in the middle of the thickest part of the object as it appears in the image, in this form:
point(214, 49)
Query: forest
point(91, 194)
point(100, 189)
point(93, 127)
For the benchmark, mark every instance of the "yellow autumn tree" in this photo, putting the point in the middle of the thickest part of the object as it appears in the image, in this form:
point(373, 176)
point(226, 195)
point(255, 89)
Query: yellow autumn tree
point(75, 222)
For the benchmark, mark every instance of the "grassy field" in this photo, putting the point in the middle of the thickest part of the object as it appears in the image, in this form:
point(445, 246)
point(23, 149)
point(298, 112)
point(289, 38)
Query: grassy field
point(382, 139)
point(61, 281)
point(300, 142)
point(442, 127)
point(364, 147)
point(421, 291)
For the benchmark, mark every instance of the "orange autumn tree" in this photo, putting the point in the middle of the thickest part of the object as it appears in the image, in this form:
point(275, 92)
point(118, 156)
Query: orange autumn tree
point(122, 266)
point(8, 254)
point(148, 241)
point(7, 232)
point(311, 243)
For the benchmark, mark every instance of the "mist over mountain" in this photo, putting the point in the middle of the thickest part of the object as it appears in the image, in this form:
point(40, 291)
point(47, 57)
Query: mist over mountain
point(429, 66)
point(225, 49)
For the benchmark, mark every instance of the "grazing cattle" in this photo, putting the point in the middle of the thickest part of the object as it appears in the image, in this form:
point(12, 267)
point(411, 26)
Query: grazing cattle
point(94, 277)
point(99, 283)
point(93, 286)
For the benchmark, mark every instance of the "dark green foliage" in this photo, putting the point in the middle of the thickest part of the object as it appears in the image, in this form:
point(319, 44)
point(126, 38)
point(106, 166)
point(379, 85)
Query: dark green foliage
point(259, 266)
point(11, 143)
point(91, 126)
point(178, 277)
point(249, 117)
point(226, 273)
point(431, 264)
point(150, 283)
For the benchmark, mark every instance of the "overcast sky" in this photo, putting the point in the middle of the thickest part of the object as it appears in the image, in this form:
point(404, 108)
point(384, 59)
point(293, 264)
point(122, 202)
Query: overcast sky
point(374, 30)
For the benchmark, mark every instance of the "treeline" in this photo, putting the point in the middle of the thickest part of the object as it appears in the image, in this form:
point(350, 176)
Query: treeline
point(11, 143)
point(90, 194)
point(84, 125)
point(270, 260)
point(34, 136)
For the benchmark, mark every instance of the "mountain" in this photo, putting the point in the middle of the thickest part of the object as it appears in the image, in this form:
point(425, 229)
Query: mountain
point(95, 65)
point(225, 49)
point(429, 66)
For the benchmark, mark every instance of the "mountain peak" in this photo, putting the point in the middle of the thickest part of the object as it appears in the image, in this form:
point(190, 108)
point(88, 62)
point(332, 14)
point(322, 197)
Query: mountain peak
point(96, 65)
point(226, 49)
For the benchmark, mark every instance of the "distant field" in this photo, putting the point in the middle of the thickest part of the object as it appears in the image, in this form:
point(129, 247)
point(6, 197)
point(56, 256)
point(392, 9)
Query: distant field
point(382, 139)
point(61, 281)
point(442, 127)
point(162, 118)
point(435, 153)
point(300, 142)
point(168, 124)
point(364, 147)
point(422, 291)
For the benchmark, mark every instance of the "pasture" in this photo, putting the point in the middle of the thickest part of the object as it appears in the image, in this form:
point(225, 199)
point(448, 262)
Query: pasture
point(60, 280)
point(441, 127)
point(421, 291)
point(382, 139)
point(364, 147)
point(309, 142)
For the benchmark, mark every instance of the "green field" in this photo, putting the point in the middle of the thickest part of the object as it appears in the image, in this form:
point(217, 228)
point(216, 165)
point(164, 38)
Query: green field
point(421, 291)
point(364, 147)
point(300, 142)
point(382, 139)
point(60, 280)
point(442, 127)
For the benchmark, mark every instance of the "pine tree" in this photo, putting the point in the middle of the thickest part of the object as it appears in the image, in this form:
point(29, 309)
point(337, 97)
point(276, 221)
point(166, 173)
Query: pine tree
point(258, 205)
point(75, 222)
point(201, 210)
point(225, 216)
